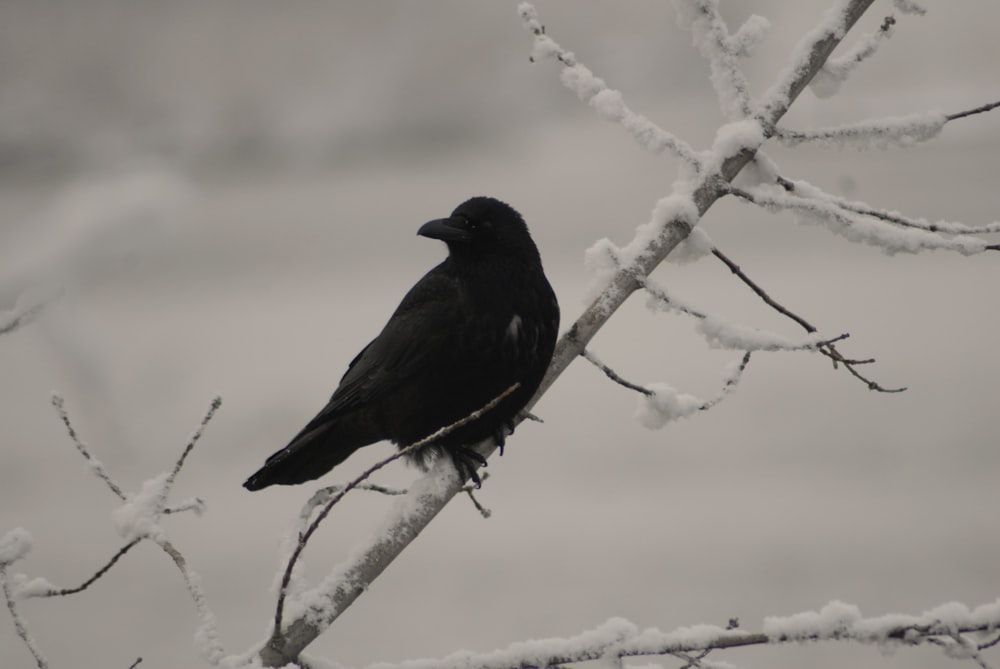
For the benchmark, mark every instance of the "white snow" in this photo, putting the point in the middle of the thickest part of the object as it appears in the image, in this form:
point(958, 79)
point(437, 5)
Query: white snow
point(696, 246)
point(675, 207)
point(14, 545)
point(720, 333)
point(139, 516)
point(889, 238)
point(892, 132)
point(910, 7)
point(826, 83)
point(711, 36)
point(666, 404)
point(732, 138)
point(33, 587)
point(748, 36)
point(608, 103)
point(832, 24)
point(832, 621)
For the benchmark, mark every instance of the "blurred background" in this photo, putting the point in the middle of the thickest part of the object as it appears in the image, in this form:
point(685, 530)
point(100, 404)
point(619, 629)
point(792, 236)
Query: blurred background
point(227, 195)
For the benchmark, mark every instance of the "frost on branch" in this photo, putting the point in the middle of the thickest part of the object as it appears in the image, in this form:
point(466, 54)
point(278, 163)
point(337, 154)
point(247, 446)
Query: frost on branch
point(139, 516)
point(886, 133)
point(835, 71)
point(14, 545)
point(890, 239)
point(666, 404)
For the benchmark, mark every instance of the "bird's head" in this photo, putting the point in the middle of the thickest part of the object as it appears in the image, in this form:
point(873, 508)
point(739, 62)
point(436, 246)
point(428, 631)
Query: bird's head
point(482, 226)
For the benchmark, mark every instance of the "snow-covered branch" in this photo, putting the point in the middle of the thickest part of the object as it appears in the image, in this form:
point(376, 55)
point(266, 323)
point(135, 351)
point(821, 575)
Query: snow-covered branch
point(722, 51)
point(856, 227)
point(607, 102)
point(948, 626)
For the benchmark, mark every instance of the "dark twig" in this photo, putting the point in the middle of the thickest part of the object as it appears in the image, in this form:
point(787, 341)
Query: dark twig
point(731, 382)
point(321, 516)
point(826, 348)
point(216, 403)
point(978, 110)
point(613, 375)
point(989, 644)
point(761, 293)
point(135, 664)
point(98, 574)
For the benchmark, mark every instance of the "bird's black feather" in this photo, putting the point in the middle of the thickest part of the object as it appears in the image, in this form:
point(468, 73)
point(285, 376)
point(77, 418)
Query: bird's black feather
point(481, 321)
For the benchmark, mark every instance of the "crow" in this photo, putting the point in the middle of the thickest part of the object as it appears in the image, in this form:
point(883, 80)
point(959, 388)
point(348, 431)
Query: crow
point(481, 321)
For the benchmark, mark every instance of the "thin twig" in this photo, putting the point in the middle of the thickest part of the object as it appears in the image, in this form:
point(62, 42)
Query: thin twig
point(826, 348)
point(314, 525)
point(470, 490)
point(216, 403)
point(613, 375)
point(864, 209)
point(731, 382)
point(95, 464)
point(978, 110)
point(761, 293)
point(98, 574)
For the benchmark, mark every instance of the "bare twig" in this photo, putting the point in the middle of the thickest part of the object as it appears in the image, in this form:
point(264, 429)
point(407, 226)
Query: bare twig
point(613, 375)
point(827, 348)
point(62, 592)
point(971, 112)
point(216, 403)
point(760, 292)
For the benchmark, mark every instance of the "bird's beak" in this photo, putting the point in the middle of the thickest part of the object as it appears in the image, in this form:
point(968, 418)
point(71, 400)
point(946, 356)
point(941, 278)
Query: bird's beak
point(446, 229)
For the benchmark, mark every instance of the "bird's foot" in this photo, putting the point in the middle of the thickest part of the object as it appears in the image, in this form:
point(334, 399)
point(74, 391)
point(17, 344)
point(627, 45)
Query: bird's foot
point(467, 461)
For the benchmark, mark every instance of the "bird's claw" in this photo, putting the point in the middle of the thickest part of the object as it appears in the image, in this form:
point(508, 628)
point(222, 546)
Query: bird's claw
point(467, 461)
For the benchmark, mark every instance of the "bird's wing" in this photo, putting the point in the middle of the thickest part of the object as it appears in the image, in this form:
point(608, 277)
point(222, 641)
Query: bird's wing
point(413, 341)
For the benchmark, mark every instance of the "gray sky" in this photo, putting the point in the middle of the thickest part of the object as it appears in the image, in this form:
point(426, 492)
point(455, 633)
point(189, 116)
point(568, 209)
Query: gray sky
point(309, 142)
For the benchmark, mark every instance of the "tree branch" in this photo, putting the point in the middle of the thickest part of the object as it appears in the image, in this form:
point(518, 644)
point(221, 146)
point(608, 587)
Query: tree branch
point(617, 639)
point(431, 493)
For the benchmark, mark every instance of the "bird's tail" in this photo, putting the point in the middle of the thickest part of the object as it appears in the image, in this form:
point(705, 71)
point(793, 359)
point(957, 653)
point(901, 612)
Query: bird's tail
point(310, 455)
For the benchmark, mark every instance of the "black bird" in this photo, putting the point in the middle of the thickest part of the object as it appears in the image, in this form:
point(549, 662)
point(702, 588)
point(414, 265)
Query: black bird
point(481, 321)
